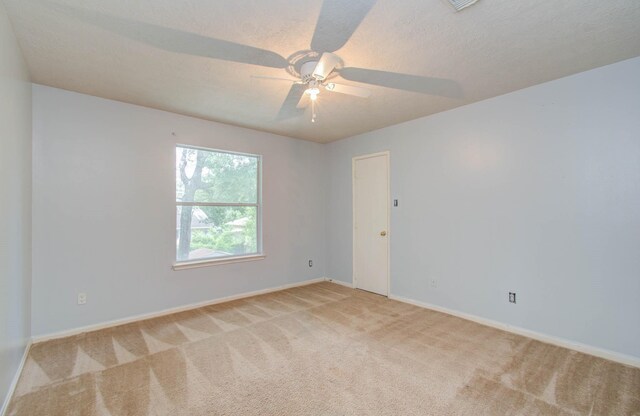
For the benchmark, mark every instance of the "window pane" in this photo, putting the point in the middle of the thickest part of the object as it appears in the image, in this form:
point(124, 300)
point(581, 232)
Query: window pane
point(209, 176)
point(208, 232)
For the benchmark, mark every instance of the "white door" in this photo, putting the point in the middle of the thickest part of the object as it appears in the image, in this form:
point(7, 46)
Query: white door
point(371, 222)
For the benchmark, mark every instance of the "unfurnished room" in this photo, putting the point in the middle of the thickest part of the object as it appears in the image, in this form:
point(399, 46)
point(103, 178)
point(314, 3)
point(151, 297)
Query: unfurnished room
point(319, 207)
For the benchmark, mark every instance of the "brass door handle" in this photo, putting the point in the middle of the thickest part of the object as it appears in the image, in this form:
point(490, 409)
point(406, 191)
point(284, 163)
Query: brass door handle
point(383, 233)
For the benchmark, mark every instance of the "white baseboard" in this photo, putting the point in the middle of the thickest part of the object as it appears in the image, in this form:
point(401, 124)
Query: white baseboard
point(560, 342)
point(16, 377)
point(122, 321)
point(339, 282)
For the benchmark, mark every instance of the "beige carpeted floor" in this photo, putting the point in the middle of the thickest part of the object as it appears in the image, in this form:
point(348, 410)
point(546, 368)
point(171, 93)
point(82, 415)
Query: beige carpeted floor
point(321, 349)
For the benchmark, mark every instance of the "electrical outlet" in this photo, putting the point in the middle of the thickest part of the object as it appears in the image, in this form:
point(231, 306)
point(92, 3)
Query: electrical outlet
point(310, 263)
point(512, 297)
point(82, 298)
point(434, 283)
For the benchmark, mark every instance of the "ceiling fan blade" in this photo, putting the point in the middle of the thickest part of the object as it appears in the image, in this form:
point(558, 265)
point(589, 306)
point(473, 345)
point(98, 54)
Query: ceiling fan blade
point(174, 40)
point(303, 102)
point(337, 22)
point(293, 81)
point(415, 83)
point(325, 65)
point(348, 89)
point(289, 107)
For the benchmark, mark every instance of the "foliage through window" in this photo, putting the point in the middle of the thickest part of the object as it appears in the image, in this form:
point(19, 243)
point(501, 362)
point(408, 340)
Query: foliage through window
point(217, 204)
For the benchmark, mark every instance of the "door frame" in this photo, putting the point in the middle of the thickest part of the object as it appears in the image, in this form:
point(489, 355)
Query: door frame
point(354, 159)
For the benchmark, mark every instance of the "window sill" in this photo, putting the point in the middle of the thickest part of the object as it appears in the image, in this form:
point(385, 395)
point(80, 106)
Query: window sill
point(215, 262)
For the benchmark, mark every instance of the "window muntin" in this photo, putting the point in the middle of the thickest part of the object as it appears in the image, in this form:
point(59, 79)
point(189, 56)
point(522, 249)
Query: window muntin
point(218, 209)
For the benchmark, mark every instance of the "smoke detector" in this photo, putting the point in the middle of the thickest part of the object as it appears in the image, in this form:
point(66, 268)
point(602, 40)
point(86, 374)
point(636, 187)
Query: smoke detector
point(461, 4)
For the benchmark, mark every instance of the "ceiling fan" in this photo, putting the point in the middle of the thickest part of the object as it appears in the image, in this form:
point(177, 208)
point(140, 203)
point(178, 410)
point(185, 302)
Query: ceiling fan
point(314, 75)
point(337, 22)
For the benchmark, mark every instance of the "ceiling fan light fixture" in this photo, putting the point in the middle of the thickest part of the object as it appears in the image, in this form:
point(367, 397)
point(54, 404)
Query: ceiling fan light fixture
point(312, 92)
point(461, 4)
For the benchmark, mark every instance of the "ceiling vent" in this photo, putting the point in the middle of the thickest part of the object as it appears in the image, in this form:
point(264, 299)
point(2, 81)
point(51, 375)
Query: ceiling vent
point(461, 4)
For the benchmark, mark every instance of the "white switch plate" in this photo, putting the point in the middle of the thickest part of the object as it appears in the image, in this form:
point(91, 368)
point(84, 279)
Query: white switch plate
point(434, 283)
point(82, 298)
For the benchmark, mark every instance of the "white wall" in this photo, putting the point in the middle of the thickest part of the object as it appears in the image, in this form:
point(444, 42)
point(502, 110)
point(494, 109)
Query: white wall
point(536, 192)
point(15, 205)
point(104, 214)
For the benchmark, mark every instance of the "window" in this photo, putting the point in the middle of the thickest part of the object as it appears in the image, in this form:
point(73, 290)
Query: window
point(218, 208)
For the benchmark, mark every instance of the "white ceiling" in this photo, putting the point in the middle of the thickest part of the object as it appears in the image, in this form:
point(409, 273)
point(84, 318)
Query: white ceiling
point(184, 55)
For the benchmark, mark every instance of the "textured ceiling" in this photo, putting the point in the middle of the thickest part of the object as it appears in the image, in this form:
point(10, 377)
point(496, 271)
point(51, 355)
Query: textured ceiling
point(190, 56)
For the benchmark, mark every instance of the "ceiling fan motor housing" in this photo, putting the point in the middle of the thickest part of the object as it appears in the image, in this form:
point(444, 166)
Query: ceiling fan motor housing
point(306, 71)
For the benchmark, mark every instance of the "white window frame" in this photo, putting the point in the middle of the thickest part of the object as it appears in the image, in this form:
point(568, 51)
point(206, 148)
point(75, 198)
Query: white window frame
point(210, 261)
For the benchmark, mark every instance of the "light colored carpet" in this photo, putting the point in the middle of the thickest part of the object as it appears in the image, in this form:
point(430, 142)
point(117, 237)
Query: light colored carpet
point(321, 349)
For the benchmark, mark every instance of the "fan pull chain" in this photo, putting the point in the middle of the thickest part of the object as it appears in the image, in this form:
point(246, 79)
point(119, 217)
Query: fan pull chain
point(313, 111)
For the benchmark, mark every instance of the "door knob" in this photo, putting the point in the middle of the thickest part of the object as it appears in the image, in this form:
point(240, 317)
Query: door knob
point(383, 233)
